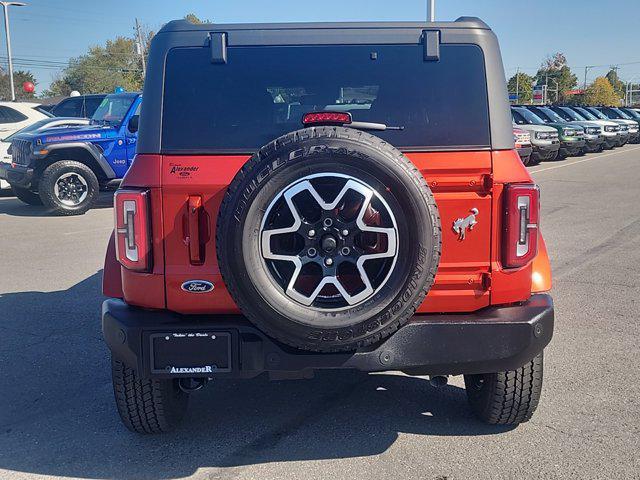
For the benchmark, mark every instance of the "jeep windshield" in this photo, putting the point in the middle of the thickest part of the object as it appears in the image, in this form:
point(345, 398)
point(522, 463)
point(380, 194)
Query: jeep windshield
point(263, 92)
point(112, 110)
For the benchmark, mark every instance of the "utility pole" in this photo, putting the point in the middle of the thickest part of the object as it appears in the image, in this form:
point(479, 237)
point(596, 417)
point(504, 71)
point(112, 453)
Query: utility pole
point(586, 70)
point(557, 89)
point(5, 7)
point(140, 49)
point(546, 88)
point(431, 11)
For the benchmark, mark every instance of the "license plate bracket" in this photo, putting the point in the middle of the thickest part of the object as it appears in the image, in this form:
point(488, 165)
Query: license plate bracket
point(191, 353)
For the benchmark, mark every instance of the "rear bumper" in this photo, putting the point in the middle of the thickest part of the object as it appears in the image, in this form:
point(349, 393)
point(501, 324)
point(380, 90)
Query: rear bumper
point(491, 340)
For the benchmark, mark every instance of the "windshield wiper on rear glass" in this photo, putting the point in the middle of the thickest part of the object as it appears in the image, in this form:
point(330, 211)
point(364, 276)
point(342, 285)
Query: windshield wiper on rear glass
point(373, 126)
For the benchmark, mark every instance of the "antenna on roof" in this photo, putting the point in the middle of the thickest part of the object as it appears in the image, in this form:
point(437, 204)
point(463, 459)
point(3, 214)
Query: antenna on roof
point(431, 10)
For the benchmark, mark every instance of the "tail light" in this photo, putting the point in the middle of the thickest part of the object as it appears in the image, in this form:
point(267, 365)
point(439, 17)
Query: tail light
point(327, 118)
point(133, 232)
point(521, 217)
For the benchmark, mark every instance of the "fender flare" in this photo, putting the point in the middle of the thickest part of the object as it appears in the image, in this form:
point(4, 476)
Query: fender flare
point(93, 150)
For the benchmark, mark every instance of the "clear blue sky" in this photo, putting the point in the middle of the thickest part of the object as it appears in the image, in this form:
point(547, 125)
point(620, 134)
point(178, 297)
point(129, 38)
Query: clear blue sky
point(589, 32)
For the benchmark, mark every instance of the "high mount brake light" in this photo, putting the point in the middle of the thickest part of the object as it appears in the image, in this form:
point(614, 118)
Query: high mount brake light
point(133, 236)
point(327, 118)
point(521, 218)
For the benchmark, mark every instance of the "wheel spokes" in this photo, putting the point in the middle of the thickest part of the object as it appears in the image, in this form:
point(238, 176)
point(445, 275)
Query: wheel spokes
point(333, 244)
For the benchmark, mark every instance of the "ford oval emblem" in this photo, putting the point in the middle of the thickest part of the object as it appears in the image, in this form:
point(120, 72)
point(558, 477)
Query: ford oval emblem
point(197, 286)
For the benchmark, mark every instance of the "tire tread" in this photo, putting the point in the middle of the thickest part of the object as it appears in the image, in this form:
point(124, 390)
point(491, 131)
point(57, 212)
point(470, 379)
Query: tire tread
point(146, 406)
point(507, 398)
point(382, 146)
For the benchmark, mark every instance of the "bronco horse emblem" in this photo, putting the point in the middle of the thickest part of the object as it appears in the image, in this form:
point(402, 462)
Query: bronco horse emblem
point(461, 224)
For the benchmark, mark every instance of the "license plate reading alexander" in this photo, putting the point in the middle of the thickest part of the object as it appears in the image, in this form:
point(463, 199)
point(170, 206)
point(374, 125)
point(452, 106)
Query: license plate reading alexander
point(191, 353)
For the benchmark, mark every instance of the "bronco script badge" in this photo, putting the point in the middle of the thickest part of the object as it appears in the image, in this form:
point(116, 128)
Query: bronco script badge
point(461, 225)
point(197, 286)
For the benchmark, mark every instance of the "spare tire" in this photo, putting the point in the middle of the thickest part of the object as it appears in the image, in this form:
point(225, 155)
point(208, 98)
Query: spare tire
point(328, 239)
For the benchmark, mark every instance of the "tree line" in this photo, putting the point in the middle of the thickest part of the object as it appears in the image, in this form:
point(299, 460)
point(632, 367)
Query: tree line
point(117, 63)
point(562, 83)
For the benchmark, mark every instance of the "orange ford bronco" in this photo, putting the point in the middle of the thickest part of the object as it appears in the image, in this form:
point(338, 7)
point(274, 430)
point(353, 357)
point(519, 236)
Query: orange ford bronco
point(326, 196)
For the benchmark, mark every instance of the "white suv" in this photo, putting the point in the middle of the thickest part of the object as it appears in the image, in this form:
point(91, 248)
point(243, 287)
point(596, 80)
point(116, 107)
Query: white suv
point(15, 116)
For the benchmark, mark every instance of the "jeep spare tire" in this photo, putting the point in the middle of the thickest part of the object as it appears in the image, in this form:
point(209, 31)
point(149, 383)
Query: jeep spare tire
point(328, 239)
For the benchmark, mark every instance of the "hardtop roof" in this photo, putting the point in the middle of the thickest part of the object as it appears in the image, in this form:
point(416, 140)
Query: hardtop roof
point(183, 35)
point(186, 26)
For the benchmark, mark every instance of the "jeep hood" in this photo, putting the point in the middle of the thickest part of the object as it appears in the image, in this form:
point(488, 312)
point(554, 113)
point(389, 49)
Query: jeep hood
point(78, 133)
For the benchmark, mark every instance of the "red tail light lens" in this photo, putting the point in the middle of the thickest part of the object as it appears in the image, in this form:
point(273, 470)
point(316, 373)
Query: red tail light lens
point(521, 218)
point(133, 237)
point(327, 118)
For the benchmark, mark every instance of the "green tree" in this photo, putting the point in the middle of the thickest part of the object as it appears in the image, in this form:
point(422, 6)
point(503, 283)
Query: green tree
point(523, 84)
point(104, 67)
point(601, 92)
point(193, 18)
point(101, 69)
point(556, 74)
point(19, 77)
point(617, 84)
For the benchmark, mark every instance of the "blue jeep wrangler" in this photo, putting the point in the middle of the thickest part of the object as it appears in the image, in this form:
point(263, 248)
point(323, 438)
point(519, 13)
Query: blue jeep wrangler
point(66, 168)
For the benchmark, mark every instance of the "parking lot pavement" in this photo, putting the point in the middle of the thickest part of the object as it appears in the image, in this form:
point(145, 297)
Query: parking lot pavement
point(57, 417)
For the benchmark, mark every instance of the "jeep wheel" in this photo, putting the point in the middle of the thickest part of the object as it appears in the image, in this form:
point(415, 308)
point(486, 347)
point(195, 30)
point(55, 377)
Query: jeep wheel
point(506, 398)
point(328, 239)
point(27, 196)
point(68, 188)
point(147, 406)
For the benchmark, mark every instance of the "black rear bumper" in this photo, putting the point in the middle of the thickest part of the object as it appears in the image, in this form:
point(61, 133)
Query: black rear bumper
point(494, 339)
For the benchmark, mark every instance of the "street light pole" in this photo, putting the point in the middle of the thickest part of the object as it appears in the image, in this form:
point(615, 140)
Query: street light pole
point(432, 10)
point(586, 70)
point(5, 7)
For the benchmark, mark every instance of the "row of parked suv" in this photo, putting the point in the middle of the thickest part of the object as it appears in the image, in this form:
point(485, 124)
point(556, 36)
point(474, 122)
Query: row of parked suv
point(550, 132)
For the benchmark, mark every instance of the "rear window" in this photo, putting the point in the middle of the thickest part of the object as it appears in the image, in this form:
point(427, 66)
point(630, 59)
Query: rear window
point(9, 115)
point(263, 92)
point(71, 107)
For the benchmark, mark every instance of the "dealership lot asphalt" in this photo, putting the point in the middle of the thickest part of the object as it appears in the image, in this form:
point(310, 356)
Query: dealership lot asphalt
point(57, 417)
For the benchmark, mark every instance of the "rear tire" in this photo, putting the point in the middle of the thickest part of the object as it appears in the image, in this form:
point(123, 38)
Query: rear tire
point(506, 398)
point(147, 406)
point(323, 239)
point(68, 187)
point(26, 196)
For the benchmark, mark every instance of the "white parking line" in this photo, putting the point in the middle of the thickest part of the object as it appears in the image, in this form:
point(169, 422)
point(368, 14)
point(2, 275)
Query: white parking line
point(597, 157)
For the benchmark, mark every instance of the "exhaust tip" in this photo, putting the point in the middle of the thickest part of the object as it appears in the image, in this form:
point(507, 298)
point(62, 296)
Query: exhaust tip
point(438, 381)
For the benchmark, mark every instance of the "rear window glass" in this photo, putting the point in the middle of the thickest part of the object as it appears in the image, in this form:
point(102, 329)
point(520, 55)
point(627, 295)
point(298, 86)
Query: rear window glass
point(68, 108)
point(263, 92)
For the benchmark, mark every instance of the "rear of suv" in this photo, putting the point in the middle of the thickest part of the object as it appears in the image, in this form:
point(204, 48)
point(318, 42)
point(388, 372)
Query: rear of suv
point(301, 199)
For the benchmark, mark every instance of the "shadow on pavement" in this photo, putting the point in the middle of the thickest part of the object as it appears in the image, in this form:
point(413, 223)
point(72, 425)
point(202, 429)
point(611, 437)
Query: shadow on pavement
point(57, 415)
point(14, 207)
